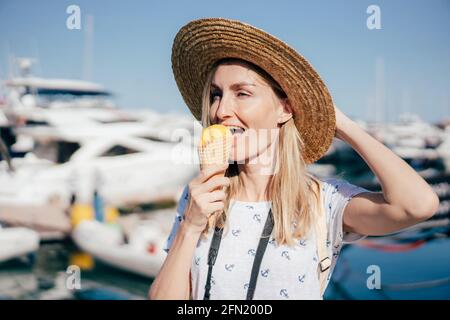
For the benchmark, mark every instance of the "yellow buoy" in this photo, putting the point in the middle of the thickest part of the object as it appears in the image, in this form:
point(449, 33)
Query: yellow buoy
point(83, 260)
point(111, 214)
point(81, 212)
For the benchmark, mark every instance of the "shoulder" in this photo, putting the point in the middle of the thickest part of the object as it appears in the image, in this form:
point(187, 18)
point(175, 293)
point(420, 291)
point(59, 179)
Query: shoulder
point(178, 218)
point(337, 193)
point(182, 201)
point(334, 187)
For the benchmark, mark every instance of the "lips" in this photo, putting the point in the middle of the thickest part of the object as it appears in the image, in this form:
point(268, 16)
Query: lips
point(236, 130)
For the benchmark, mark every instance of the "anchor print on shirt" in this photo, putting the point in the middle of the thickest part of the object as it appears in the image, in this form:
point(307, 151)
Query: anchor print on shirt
point(229, 267)
point(336, 254)
point(301, 278)
point(257, 217)
point(285, 254)
point(197, 261)
point(265, 273)
point(236, 232)
point(284, 293)
point(302, 243)
point(273, 242)
point(252, 252)
point(336, 189)
point(249, 207)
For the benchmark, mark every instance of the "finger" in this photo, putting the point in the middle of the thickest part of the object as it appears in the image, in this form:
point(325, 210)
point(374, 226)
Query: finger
point(210, 171)
point(214, 183)
point(215, 206)
point(218, 195)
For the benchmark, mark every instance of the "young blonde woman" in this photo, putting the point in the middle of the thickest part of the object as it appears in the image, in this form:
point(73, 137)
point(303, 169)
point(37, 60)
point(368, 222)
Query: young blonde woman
point(252, 234)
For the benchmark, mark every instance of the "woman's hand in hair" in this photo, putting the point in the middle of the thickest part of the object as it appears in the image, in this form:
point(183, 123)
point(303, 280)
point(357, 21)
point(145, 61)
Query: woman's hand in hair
point(406, 198)
point(206, 196)
point(342, 122)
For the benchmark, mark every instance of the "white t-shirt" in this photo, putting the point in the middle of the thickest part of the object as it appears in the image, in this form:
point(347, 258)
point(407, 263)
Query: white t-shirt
point(285, 272)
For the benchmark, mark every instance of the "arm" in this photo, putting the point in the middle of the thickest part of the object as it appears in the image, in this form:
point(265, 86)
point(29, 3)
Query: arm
point(173, 280)
point(406, 198)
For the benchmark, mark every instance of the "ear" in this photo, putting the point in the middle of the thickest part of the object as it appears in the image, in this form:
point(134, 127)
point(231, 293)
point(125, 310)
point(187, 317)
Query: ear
point(284, 111)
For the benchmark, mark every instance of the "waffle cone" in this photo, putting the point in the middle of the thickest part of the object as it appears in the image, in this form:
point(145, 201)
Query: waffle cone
point(216, 152)
point(214, 149)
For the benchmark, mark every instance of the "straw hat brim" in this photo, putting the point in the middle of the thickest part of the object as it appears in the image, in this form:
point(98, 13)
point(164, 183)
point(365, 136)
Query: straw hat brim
point(201, 43)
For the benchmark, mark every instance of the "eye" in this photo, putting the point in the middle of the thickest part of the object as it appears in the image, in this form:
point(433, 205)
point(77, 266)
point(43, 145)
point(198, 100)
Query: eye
point(215, 94)
point(243, 94)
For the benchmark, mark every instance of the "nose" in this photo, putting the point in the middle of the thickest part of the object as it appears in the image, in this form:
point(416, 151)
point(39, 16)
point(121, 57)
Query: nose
point(225, 109)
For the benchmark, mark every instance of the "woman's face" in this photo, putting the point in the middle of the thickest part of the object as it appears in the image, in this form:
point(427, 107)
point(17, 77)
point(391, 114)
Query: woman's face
point(242, 98)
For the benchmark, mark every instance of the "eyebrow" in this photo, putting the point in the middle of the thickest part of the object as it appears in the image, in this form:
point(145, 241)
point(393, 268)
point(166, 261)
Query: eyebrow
point(236, 85)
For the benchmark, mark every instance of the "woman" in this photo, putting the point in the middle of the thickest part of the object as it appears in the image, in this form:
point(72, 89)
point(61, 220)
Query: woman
point(266, 243)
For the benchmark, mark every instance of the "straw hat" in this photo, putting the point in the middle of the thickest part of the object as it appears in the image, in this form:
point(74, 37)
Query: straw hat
point(201, 43)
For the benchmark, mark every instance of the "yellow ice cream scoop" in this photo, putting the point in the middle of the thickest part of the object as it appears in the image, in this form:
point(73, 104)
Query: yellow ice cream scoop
point(214, 133)
point(215, 145)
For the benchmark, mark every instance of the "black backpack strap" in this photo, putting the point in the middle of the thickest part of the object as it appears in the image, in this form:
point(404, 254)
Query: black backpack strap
point(263, 241)
point(212, 255)
point(214, 249)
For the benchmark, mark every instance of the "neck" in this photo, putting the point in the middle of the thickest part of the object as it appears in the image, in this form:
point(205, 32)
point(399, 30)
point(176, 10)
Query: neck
point(255, 176)
point(253, 185)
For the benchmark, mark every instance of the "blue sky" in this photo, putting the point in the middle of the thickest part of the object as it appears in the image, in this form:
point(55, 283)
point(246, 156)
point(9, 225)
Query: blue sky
point(407, 62)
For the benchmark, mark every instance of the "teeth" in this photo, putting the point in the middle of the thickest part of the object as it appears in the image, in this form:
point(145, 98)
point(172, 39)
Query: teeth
point(235, 129)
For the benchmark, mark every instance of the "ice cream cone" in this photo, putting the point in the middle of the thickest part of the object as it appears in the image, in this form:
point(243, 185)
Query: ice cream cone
point(215, 146)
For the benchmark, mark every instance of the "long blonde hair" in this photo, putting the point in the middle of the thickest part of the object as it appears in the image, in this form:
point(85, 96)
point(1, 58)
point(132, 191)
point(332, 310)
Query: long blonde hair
point(294, 192)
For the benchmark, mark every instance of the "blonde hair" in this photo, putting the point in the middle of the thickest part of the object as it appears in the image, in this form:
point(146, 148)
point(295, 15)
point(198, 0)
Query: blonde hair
point(294, 192)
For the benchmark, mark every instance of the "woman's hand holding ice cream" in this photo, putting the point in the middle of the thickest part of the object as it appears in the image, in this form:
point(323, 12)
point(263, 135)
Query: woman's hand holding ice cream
point(206, 196)
point(207, 190)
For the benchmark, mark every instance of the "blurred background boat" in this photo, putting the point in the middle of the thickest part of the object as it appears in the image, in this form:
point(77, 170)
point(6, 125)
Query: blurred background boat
point(17, 242)
point(67, 141)
point(132, 245)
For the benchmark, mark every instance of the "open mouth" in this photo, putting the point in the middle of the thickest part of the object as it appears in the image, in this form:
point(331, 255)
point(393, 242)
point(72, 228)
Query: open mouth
point(235, 130)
